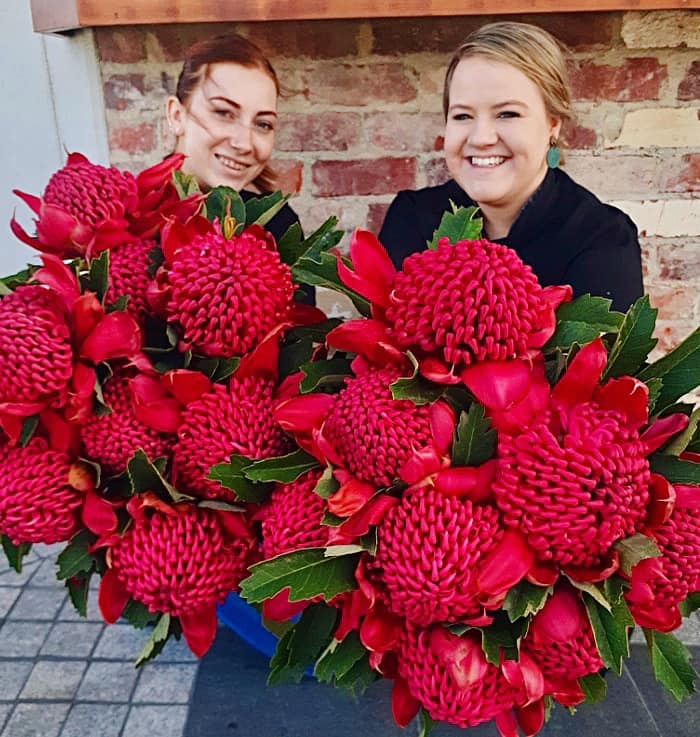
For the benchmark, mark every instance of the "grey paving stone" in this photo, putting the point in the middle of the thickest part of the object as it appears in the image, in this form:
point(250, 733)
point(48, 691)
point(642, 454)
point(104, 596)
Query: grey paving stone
point(45, 575)
point(5, 710)
point(155, 721)
point(8, 596)
point(10, 577)
point(36, 720)
point(165, 684)
point(112, 682)
point(176, 651)
point(101, 720)
point(48, 551)
point(13, 674)
point(38, 604)
point(53, 679)
point(72, 639)
point(22, 639)
point(69, 614)
point(121, 642)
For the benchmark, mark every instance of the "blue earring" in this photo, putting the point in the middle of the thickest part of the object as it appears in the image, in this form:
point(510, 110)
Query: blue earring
point(553, 153)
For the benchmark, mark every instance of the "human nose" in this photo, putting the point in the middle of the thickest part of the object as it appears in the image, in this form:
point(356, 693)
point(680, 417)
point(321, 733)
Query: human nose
point(240, 136)
point(482, 132)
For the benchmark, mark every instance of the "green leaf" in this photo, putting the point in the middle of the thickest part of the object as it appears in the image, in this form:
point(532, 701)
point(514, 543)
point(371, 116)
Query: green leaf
point(611, 630)
point(690, 604)
point(525, 599)
point(145, 476)
point(327, 374)
point(315, 333)
point(156, 642)
point(568, 334)
point(679, 370)
point(339, 657)
point(503, 637)
point(670, 661)
point(29, 425)
point(302, 644)
point(217, 369)
point(634, 549)
point(10, 283)
point(230, 475)
point(415, 387)
point(459, 225)
point(475, 439)
point(594, 687)
point(283, 469)
point(76, 557)
point(14, 553)
point(119, 305)
point(425, 723)
point(594, 311)
point(260, 210)
point(595, 591)
point(307, 573)
point(358, 678)
point(97, 279)
point(225, 204)
point(78, 591)
point(332, 520)
point(681, 441)
point(675, 470)
point(291, 244)
point(654, 386)
point(326, 486)
point(137, 614)
point(634, 341)
point(157, 259)
point(185, 184)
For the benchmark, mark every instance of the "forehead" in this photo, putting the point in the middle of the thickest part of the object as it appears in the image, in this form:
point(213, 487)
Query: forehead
point(247, 86)
point(478, 80)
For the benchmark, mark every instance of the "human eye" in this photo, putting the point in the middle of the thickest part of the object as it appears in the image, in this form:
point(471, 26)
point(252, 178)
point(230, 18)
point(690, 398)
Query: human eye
point(461, 116)
point(509, 114)
point(222, 112)
point(264, 125)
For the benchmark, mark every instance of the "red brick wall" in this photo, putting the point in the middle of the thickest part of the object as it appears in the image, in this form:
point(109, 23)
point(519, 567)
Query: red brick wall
point(361, 119)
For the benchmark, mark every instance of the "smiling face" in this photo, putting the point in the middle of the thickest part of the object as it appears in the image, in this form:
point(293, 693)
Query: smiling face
point(227, 126)
point(497, 135)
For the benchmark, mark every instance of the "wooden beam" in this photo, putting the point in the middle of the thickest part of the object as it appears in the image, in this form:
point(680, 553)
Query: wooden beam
point(62, 15)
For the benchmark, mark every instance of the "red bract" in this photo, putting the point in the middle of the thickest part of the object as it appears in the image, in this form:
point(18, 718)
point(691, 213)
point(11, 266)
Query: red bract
point(36, 355)
point(38, 503)
point(180, 560)
point(112, 439)
point(660, 584)
point(560, 640)
point(129, 277)
point(450, 677)
point(225, 294)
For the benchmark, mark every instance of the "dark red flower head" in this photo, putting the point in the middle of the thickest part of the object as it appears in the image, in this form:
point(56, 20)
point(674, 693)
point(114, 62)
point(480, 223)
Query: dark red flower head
point(129, 277)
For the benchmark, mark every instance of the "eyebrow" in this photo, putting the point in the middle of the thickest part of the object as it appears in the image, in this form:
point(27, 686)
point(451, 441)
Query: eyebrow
point(233, 103)
point(505, 103)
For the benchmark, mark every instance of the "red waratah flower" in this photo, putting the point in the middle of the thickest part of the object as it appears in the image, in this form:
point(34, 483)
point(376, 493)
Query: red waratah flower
point(450, 677)
point(432, 551)
point(36, 354)
point(180, 560)
point(225, 294)
point(129, 277)
point(455, 305)
point(572, 470)
point(658, 585)
point(38, 501)
point(112, 439)
point(560, 640)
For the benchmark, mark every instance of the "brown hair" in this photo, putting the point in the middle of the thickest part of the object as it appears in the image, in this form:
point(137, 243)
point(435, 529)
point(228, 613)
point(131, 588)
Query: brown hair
point(231, 48)
point(530, 49)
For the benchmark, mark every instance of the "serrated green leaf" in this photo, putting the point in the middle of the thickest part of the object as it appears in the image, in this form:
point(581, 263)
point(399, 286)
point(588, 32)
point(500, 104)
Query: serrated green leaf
point(416, 388)
point(475, 438)
point(260, 210)
point(307, 573)
point(185, 184)
point(339, 657)
point(690, 604)
point(230, 475)
point(358, 678)
point(282, 469)
point(78, 592)
point(76, 557)
point(332, 520)
point(458, 225)
point(594, 311)
point(679, 371)
point(97, 278)
point(14, 553)
point(634, 549)
point(634, 341)
point(681, 441)
point(119, 305)
point(525, 599)
point(302, 644)
point(327, 374)
point(670, 661)
point(223, 203)
point(29, 426)
point(10, 283)
point(674, 469)
point(145, 476)
point(315, 333)
point(156, 642)
point(610, 630)
point(326, 486)
point(137, 614)
point(595, 591)
point(291, 244)
point(503, 638)
point(425, 723)
point(594, 687)
point(569, 333)
point(654, 386)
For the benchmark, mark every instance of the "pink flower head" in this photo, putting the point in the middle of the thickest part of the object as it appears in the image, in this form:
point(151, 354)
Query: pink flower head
point(129, 277)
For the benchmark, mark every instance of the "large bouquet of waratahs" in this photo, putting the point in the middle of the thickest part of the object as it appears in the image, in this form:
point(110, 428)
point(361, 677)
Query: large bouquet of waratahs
point(476, 489)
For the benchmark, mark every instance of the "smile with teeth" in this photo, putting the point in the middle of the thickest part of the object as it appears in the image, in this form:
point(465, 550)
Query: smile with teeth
point(231, 164)
point(487, 162)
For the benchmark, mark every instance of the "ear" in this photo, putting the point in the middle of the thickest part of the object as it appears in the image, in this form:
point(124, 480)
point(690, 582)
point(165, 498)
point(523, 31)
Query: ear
point(556, 124)
point(175, 113)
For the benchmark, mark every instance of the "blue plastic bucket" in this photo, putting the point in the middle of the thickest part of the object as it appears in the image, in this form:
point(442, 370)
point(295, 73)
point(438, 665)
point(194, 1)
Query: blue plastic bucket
point(246, 622)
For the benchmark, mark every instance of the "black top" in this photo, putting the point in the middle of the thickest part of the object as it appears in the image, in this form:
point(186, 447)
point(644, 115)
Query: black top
point(564, 232)
point(278, 226)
